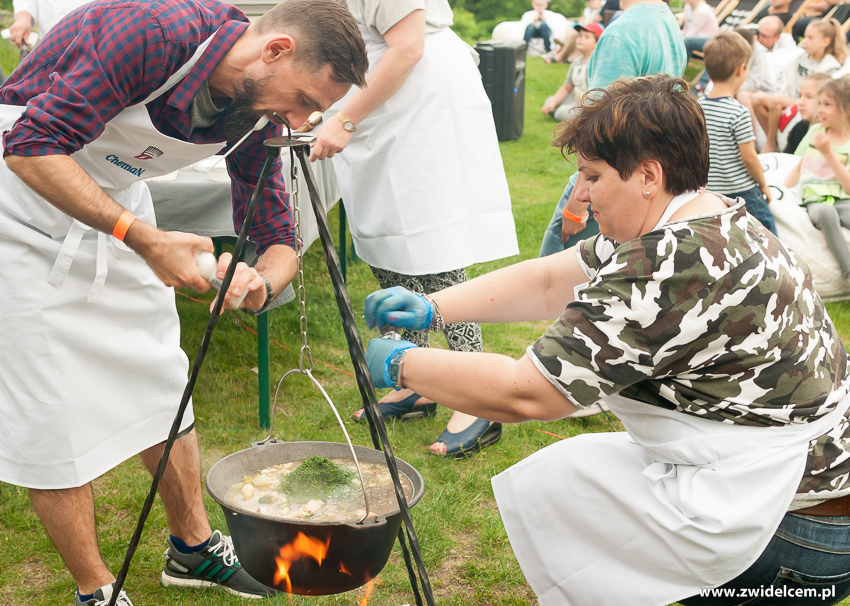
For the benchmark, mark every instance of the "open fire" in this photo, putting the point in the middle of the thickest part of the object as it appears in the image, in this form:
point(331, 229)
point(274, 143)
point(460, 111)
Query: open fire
point(308, 548)
point(302, 547)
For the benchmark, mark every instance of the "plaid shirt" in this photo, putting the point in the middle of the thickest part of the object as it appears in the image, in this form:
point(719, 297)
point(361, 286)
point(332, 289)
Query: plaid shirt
point(111, 54)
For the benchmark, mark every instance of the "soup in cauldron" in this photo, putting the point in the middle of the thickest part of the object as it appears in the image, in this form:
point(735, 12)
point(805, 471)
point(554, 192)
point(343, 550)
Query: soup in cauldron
point(318, 489)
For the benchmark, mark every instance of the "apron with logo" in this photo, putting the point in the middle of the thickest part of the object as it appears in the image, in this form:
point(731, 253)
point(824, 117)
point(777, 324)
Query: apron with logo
point(90, 350)
point(651, 515)
point(422, 178)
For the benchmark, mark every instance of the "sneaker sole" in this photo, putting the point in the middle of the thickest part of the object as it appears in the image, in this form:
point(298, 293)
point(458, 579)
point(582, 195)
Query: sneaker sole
point(170, 581)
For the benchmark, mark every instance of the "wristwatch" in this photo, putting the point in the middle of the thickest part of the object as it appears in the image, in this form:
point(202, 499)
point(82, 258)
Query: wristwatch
point(346, 123)
point(270, 293)
point(395, 368)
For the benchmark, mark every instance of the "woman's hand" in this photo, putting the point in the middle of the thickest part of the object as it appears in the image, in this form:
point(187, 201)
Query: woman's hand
point(397, 306)
point(332, 139)
point(378, 356)
point(21, 28)
point(548, 108)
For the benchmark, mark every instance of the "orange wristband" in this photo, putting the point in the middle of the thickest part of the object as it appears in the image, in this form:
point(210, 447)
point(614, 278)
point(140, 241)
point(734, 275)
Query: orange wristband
point(124, 222)
point(574, 218)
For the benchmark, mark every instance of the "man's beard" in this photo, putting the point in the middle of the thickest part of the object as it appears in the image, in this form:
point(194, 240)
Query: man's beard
point(241, 116)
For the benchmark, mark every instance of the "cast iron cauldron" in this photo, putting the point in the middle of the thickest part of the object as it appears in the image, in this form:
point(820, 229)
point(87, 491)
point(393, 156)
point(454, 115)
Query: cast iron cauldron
point(356, 552)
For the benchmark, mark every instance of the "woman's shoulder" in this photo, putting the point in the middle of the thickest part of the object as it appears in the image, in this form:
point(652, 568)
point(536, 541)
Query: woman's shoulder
point(681, 245)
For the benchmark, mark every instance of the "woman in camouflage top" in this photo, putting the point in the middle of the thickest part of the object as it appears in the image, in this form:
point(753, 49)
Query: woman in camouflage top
point(706, 338)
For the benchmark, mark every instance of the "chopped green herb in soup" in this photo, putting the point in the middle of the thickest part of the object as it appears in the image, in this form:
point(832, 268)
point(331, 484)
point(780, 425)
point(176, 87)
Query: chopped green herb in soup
point(318, 489)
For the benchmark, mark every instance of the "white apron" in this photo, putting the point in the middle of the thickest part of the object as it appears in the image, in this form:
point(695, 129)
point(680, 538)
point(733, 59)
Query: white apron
point(651, 515)
point(90, 350)
point(422, 178)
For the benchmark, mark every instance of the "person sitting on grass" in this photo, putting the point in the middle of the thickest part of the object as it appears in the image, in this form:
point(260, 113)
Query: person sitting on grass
point(566, 52)
point(824, 169)
point(826, 50)
point(575, 85)
point(703, 334)
point(538, 26)
point(735, 168)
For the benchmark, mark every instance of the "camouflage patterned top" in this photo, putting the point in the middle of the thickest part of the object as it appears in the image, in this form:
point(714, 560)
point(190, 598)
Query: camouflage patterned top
point(711, 317)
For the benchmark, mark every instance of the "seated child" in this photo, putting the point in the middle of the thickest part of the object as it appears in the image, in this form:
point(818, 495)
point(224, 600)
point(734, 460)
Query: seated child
point(538, 27)
point(735, 170)
point(823, 170)
point(805, 111)
point(826, 50)
point(571, 91)
point(567, 52)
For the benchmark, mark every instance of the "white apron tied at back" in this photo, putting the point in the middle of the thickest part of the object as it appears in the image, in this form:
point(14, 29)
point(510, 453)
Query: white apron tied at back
point(93, 370)
point(422, 178)
point(651, 515)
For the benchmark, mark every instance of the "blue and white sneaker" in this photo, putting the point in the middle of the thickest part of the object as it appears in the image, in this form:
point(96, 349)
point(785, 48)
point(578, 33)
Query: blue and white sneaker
point(216, 565)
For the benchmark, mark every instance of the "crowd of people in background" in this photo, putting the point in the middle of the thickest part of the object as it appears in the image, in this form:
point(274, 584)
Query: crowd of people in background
point(775, 84)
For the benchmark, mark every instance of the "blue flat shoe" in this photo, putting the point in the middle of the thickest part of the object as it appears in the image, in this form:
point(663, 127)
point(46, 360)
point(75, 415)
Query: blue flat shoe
point(480, 434)
point(403, 409)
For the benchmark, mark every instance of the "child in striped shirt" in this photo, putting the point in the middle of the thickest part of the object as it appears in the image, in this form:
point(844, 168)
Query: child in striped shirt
point(735, 170)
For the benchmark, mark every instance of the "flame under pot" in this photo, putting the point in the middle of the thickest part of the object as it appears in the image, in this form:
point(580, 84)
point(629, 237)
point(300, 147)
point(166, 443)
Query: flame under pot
point(300, 556)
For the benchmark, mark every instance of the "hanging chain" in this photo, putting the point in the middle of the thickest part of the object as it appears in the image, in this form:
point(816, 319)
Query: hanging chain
point(306, 354)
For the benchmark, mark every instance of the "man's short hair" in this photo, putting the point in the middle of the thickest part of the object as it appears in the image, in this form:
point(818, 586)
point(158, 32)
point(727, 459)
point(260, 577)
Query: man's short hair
point(326, 34)
point(772, 20)
point(724, 54)
point(648, 118)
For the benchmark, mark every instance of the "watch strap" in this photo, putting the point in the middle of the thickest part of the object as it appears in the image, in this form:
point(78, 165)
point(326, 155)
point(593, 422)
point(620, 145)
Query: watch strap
point(270, 296)
point(347, 124)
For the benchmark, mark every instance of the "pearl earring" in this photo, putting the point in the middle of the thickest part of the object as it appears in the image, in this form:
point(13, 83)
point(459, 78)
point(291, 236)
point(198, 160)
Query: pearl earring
point(648, 193)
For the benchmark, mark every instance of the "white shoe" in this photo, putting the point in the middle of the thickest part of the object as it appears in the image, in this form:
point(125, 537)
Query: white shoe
point(593, 409)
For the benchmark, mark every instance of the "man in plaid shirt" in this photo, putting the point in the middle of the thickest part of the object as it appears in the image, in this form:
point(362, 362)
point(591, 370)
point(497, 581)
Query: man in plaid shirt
point(119, 91)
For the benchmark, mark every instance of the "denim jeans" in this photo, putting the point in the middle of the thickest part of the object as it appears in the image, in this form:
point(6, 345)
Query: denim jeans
point(552, 236)
point(807, 553)
point(693, 43)
point(757, 207)
point(539, 31)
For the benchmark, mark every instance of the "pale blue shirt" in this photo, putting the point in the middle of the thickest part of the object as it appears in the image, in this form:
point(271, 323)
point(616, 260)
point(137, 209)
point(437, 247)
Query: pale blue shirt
point(645, 40)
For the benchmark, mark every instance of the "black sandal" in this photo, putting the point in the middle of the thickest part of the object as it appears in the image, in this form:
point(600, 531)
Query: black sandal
point(403, 409)
point(463, 444)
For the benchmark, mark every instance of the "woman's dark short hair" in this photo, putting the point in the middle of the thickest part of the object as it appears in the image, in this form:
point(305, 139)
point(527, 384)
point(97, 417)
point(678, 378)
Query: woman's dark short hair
point(648, 118)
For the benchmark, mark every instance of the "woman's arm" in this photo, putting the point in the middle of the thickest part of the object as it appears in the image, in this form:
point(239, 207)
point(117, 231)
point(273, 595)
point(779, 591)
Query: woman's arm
point(405, 45)
point(489, 386)
point(538, 289)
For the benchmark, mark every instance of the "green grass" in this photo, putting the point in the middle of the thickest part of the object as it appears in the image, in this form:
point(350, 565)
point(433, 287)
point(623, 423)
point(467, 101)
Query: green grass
point(464, 544)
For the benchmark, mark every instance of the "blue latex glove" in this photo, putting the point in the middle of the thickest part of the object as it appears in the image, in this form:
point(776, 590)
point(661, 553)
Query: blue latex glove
point(397, 306)
point(378, 356)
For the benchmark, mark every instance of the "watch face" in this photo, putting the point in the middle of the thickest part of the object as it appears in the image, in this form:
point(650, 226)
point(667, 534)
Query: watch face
point(348, 125)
